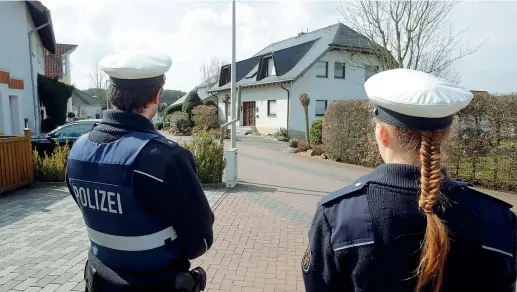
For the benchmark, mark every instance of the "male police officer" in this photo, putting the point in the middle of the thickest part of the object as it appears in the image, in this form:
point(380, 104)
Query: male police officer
point(145, 211)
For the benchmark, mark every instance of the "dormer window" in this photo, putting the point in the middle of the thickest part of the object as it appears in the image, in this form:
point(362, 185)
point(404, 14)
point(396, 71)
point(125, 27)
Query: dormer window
point(226, 75)
point(266, 67)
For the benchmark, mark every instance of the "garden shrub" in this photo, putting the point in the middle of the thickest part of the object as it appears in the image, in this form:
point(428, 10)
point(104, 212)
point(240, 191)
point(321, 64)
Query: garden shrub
point(191, 102)
point(293, 143)
point(348, 133)
point(211, 103)
point(208, 156)
point(303, 146)
point(179, 122)
point(317, 150)
point(158, 125)
point(316, 131)
point(51, 168)
point(282, 132)
point(166, 125)
point(205, 118)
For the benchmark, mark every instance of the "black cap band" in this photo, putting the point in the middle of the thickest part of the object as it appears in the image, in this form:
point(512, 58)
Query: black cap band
point(410, 122)
point(153, 82)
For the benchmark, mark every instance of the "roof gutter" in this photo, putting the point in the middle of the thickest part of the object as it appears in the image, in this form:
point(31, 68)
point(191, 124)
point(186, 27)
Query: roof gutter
point(288, 103)
point(34, 98)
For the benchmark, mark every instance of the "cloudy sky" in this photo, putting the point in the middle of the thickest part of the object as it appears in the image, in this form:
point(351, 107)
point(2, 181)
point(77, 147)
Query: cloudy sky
point(192, 32)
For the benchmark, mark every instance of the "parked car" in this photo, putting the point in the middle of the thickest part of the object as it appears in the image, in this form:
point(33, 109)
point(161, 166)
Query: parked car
point(70, 131)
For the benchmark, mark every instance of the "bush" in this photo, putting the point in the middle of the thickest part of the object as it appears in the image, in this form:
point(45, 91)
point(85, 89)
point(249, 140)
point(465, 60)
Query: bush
point(208, 155)
point(303, 146)
point(316, 132)
point(179, 122)
point(51, 168)
point(173, 109)
point(166, 125)
point(317, 150)
point(348, 133)
point(191, 102)
point(205, 118)
point(158, 125)
point(282, 132)
point(211, 103)
point(293, 143)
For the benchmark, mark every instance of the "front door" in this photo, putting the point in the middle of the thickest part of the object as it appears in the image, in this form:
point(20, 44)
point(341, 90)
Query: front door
point(248, 113)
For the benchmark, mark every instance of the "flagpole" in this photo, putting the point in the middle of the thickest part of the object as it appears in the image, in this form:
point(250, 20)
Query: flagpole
point(233, 97)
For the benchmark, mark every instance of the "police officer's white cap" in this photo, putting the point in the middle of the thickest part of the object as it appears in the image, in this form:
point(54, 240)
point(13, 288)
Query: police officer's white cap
point(136, 65)
point(414, 99)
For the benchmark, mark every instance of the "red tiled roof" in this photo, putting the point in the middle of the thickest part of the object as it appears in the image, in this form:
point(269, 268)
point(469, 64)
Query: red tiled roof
point(54, 62)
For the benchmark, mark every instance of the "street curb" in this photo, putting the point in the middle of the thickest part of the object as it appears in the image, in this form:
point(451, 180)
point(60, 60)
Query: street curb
point(214, 186)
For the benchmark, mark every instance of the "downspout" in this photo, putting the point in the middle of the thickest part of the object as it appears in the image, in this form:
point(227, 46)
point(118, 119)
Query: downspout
point(34, 98)
point(288, 103)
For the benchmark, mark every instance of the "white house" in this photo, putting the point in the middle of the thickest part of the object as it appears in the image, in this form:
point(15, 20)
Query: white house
point(85, 106)
point(327, 64)
point(25, 31)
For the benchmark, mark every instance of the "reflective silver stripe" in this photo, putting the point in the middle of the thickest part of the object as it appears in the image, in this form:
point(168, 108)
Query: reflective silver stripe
point(354, 245)
point(146, 174)
point(132, 243)
point(497, 250)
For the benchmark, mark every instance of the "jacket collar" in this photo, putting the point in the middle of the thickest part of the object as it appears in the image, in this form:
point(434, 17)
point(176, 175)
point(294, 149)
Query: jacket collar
point(127, 120)
point(399, 175)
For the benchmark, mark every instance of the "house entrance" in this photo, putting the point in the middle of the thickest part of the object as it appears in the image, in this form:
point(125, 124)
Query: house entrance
point(248, 113)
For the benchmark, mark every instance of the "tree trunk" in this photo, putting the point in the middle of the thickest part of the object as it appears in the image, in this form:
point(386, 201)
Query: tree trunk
point(306, 110)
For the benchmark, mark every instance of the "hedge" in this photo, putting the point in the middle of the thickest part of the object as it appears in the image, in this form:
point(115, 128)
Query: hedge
point(208, 156)
point(482, 148)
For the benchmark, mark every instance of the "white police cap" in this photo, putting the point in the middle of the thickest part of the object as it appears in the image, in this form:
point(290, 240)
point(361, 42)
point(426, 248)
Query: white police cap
point(414, 99)
point(136, 69)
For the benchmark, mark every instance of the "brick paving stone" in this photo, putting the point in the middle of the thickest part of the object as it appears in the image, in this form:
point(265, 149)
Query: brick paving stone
point(253, 247)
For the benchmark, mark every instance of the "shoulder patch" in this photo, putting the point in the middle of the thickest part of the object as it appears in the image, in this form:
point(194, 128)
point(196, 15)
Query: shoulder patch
point(352, 188)
point(166, 141)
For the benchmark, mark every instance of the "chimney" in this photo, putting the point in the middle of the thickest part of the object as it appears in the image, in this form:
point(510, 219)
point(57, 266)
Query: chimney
point(301, 33)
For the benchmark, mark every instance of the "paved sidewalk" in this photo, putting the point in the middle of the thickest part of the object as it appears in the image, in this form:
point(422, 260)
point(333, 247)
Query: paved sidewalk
point(43, 242)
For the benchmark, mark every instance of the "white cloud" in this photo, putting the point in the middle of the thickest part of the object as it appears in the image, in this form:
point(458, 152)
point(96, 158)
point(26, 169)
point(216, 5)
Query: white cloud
point(192, 32)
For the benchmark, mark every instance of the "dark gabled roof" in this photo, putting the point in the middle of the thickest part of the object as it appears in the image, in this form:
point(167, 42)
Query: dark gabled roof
point(287, 58)
point(41, 15)
point(84, 97)
point(293, 56)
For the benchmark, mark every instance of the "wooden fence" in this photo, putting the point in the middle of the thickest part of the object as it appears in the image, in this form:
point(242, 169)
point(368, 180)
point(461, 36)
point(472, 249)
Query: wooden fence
point(16, 162)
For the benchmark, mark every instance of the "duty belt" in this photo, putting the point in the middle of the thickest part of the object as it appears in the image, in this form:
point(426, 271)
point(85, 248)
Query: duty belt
point(193, 281)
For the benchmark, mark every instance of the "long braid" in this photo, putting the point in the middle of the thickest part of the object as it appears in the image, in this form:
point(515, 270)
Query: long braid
point(436, 241)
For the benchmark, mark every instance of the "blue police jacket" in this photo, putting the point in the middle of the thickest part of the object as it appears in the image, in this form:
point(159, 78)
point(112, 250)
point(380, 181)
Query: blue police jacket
point(367, 236)
point(122, 234)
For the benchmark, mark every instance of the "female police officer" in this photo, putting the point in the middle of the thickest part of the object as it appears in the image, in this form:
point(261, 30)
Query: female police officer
point(406, 226)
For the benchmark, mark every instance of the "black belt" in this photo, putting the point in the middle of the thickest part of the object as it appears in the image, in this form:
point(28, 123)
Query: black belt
point(193, 281)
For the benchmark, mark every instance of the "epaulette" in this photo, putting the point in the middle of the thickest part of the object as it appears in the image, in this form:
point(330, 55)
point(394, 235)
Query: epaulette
point(452, 185)
point(350, 189)
point(165, 141)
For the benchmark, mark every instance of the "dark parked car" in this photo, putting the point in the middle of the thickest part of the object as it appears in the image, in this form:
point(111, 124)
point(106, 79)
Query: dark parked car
point(70, 131)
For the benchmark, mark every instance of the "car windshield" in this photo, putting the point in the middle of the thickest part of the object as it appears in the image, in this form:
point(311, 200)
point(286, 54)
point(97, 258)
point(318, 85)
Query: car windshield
point(72, 130)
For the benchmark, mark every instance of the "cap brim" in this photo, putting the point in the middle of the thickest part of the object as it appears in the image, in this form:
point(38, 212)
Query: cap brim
point(411, 122)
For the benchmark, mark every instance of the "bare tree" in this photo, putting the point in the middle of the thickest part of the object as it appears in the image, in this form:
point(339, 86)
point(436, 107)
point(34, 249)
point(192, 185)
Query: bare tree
point(212, 69)
point(408, 34)
point(99, 84)
point(97, 77)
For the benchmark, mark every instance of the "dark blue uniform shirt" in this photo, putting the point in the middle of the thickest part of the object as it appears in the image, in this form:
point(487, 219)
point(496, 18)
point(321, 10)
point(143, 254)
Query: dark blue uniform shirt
point(164, 185)
point(367, 236)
